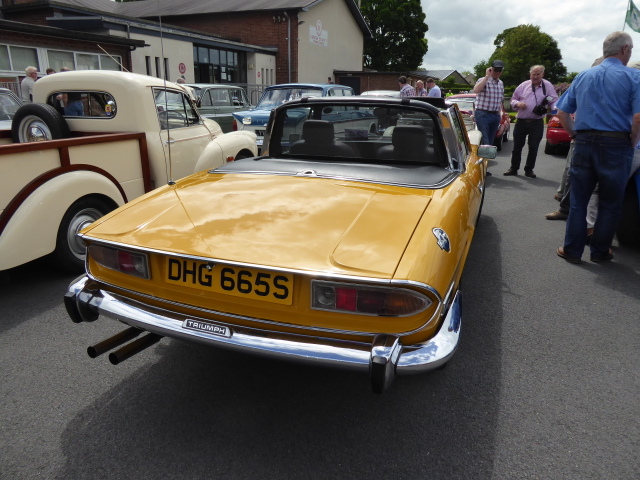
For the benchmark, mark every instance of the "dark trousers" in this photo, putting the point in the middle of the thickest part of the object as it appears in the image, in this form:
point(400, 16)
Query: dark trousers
point(534, 129)
point(607, 162)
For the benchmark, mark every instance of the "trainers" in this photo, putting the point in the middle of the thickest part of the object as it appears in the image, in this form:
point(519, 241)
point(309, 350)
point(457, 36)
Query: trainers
point(511, 171)
point(529, 174)
point(557, 215)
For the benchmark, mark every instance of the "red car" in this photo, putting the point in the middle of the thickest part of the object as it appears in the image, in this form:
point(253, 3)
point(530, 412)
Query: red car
point(557, 138)
point(466, 104)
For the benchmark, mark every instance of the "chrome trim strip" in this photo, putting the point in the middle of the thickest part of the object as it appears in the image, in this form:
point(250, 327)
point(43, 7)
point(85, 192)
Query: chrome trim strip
point(301, 348)
point(436, 186)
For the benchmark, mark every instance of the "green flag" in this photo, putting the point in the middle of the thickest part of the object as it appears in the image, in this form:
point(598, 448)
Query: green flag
point(633, 17)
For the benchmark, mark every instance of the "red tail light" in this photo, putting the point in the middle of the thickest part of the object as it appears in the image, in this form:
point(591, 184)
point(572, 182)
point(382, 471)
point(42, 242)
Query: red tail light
point(234, 126)
point(554, 123)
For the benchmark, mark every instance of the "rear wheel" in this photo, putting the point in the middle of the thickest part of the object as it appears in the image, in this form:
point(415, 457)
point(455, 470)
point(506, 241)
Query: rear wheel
point(629, 227)
point(36, 122)
point(70, 251)
point(549, 149)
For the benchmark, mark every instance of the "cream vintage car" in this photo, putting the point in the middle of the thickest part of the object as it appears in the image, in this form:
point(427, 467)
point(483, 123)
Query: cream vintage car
point(343, 245)
point(92, 141)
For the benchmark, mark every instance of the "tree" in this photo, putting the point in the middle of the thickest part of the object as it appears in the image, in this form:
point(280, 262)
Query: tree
point(398, 29)
point(522, 47)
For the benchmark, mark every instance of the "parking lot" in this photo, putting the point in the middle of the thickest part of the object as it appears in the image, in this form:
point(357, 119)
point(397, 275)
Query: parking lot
point(545, 384)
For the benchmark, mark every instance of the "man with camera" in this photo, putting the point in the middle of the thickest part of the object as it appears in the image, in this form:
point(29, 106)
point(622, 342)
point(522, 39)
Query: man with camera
point(531, 99)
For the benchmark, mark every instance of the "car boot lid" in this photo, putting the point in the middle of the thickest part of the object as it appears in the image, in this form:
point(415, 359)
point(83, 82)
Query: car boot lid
point(290, 223)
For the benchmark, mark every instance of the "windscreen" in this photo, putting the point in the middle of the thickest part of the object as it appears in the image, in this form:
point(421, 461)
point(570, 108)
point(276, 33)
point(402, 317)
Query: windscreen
point(371, 133)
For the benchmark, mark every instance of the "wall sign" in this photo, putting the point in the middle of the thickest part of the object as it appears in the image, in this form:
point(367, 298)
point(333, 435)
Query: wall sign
point(317, 35)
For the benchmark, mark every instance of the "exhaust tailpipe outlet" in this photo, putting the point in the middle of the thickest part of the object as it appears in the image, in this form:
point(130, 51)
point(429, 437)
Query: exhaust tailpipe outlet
point(133, 348)
point(113, 342)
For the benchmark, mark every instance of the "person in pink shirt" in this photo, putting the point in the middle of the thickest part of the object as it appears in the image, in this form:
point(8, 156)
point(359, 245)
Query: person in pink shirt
point(531, 99)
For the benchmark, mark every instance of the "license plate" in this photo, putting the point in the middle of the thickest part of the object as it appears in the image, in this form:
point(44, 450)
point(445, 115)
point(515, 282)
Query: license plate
point(275, 287)
point(207, 327)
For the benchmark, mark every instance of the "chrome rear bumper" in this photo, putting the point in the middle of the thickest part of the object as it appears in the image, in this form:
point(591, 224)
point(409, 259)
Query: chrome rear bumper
point(384, 358)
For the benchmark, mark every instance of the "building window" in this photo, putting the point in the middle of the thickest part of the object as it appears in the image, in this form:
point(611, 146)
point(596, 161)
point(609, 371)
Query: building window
point(158, 73)
point(147, 60)
point(23, 57)
point(214, 65)
point(59, 59)
point(5, 59)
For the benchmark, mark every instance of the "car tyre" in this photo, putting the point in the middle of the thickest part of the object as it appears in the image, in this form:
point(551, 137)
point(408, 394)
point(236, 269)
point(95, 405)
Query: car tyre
point(628, 232)
point(549, 149)
point(36, 122)
point(70, 252)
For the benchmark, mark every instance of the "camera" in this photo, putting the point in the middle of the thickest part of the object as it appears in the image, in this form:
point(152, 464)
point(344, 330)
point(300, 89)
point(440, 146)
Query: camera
point(542, 108)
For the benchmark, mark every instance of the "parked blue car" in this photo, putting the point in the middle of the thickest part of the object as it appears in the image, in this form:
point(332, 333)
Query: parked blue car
point(256, 120)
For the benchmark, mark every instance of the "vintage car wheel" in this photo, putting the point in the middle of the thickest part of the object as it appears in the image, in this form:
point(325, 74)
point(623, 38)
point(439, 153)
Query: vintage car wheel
point(628, 232)
point(70, 252)
point(36, 122)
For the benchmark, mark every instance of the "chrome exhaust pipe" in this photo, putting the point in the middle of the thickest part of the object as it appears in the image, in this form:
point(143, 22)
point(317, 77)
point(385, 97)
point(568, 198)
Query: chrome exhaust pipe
point(134, 347)
point(113, 342)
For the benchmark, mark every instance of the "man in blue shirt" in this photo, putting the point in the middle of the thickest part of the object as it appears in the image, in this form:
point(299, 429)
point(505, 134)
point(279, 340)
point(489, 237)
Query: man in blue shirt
point(606, 100)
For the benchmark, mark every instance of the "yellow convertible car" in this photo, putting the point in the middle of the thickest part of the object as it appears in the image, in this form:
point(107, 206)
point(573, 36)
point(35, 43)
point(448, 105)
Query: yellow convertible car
point(343, 245)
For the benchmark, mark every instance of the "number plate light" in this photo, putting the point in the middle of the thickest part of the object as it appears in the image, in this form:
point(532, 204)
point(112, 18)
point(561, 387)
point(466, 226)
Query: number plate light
point(124, 261)
point(367, 300)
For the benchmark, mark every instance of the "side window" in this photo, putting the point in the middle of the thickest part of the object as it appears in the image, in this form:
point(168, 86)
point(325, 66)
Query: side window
point(238, 97)
point(83, 104)
point(206, 99)
point(221, 97)
point(174, 109)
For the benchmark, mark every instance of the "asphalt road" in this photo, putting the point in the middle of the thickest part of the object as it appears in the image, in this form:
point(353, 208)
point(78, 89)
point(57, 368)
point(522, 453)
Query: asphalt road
point(545, 385)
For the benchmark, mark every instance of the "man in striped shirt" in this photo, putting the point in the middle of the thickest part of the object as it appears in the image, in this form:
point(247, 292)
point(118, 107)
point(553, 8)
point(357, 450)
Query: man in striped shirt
point(489, 92)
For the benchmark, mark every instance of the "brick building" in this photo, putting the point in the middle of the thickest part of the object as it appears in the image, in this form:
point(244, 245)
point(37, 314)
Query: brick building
point(245, 41)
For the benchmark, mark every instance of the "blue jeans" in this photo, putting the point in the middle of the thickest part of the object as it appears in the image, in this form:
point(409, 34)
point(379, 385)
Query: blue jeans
point(605, 161)
point(74, 109)
point(488, 124)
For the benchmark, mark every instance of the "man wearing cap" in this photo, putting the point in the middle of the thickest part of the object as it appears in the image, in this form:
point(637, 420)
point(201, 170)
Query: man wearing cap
point(489, 92)
point(531, 99)
point(605, 131)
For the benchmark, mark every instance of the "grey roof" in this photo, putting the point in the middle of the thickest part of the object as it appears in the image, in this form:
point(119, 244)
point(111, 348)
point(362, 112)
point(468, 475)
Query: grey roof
point(439, 74)
point(155, 8)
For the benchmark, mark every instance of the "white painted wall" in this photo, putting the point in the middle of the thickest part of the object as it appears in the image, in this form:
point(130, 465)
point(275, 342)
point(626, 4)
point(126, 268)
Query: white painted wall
point(339, 46)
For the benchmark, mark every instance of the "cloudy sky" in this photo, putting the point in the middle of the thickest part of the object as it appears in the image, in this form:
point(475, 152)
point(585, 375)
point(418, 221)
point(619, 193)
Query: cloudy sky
point(461, 32)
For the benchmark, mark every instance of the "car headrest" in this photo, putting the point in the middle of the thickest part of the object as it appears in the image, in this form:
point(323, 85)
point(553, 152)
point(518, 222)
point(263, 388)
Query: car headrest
point(318, 131)
point(407, 137)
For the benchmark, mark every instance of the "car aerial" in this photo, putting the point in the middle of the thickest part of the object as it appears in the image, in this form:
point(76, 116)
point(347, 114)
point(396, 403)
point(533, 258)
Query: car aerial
point(558, 139)
point(218, 102)
point(466, 103)
point(9, 105)
point(381, 93)
point(255, 120)
point(342, 245)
